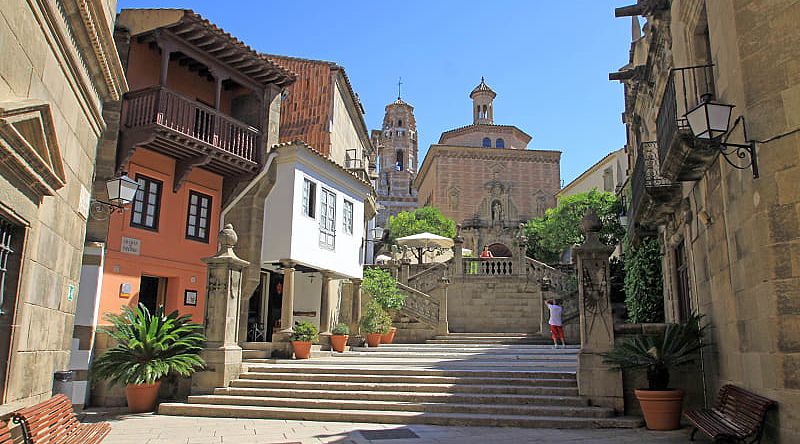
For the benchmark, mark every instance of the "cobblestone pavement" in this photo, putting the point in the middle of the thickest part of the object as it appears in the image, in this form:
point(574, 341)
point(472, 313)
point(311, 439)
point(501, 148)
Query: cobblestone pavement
point(159, 429)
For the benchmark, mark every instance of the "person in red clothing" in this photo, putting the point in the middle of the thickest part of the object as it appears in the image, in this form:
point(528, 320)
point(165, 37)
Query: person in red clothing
point(556, 327)
point(486, 252)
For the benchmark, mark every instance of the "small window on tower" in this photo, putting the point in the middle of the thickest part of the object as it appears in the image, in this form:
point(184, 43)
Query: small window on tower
point(487, 142)
point(400, 123)
point(500, 143)
point(399, 161)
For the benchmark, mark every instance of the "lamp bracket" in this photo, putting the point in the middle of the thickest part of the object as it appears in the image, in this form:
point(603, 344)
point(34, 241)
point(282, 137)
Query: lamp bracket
point(102, 210)
point(740, 150)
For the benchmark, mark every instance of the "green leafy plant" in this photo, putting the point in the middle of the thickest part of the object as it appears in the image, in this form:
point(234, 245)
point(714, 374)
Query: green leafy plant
point(375, 319)
point(381, 286)
point(560, 227)
point(421, 220)
point(149, 347)
point(304, 331)
point(341, 329)
point(644, 285)
point(675, 347)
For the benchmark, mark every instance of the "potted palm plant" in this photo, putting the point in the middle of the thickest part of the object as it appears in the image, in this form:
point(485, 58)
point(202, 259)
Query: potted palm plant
point(303, 335)
point(339, 336)
point(660, 353)
point(374, 323)
point(382, 287)
point(148, 347)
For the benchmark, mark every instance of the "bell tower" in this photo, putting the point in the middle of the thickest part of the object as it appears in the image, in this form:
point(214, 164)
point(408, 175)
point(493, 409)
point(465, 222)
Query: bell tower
point(397, 160)
point(482, 109)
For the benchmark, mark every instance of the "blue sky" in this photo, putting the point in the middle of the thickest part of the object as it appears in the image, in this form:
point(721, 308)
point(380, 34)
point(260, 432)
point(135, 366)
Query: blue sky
point(548, 61)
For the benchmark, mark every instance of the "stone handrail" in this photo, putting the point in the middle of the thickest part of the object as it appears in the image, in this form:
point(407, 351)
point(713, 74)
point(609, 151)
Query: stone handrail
point(420, 305)
point(489, 266)
point(428, 279)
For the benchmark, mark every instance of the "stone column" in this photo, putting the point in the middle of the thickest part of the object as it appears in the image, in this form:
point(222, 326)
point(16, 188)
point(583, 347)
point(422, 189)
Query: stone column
point(522, 251)
point(443, 328)
point(325, 311)
point(458, 254)
point(405, 271)
point(222, 353)
point(281, 340)
point(544, 294)
point(596, 380)
point(355, 318)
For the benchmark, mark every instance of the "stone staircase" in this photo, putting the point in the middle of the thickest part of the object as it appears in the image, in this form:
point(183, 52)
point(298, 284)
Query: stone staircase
point(458, 379)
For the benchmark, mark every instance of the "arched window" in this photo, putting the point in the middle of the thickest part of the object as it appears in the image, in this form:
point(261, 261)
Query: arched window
point(500, 143)
point(399, 161)
point(487, 142)
point(400, 123)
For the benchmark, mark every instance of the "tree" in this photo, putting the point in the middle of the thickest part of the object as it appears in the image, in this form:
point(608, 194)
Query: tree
point(560, 227)
point(382, 287)
point(421, 220)
point(644, 285)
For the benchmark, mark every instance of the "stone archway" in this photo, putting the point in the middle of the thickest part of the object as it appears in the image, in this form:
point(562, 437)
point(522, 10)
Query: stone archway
point(500, 250)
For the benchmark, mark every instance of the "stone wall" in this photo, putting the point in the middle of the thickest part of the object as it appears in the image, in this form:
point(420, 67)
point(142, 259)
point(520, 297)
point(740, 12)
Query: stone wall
point(501, 304)
point(54, 79)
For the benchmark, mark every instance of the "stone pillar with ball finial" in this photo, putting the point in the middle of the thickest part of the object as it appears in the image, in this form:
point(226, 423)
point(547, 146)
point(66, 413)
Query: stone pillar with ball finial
point(597, 381)
point(222, 353)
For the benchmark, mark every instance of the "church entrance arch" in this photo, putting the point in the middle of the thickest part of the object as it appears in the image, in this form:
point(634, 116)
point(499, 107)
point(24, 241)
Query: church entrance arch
point(500, 250)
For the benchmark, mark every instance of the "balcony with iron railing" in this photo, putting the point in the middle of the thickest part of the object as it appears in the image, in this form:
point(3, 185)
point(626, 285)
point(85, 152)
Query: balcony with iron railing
point(652, 195)
point(683, 157)
point(189, 131)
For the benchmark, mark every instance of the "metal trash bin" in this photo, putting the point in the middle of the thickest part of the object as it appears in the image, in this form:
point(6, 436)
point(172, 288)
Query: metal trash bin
point(63, 382)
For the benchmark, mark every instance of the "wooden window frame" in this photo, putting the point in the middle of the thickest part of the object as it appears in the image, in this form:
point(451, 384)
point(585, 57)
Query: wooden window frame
point(149, 181)
point(200, 197)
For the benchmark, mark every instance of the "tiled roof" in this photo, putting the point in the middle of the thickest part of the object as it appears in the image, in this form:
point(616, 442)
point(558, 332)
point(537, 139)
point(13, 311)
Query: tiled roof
point(483, 87)
point(318, 153)
point(467, 128)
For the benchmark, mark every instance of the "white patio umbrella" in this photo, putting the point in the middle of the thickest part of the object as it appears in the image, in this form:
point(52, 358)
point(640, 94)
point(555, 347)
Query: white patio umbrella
point(425, 241)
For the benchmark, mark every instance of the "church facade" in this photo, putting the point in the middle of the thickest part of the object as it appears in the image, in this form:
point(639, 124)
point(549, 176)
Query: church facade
point(485, 178)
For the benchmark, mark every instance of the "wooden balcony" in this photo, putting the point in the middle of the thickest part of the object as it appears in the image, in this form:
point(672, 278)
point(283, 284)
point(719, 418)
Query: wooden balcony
point(682, 156)
point(653, 196)
point(193, 133)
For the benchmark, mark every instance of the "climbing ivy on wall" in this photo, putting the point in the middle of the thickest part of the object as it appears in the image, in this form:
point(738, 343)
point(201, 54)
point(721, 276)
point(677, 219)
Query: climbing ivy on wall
point(644, 284)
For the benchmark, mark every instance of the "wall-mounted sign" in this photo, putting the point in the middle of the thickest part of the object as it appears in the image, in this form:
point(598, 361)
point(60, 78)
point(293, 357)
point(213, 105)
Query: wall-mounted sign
point(125, 290)
point(71, 292)
point(130, 245)
point(190, 297)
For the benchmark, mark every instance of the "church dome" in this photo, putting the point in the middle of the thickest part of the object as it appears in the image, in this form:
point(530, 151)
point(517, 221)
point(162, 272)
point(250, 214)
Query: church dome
point(482, 88)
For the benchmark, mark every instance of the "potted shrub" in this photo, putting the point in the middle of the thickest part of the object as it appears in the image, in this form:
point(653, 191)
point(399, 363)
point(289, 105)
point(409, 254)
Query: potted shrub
point(148, 347)
point(676, 346)
point(374, 323)
point(303, 335)
point(339, 336)
point(382, 288)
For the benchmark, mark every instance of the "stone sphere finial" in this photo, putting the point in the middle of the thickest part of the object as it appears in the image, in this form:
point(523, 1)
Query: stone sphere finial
point(227, 237)
point(591, 222)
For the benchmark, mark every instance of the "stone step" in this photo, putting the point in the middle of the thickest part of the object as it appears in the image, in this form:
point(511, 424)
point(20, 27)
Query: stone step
point(500, 341)
point(400, 387)
point(440, 407)
point(472, 356)
point(256, 354)
point(467, 348)
point(292, 367)
point(409, 379)
point(406, 396)
point(568, 365)
point(485, 334)
point(392, 417)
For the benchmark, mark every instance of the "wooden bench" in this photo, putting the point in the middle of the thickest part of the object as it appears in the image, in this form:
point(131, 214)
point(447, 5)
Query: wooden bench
point(5, 434)
point(738, 415)
point(54, 422)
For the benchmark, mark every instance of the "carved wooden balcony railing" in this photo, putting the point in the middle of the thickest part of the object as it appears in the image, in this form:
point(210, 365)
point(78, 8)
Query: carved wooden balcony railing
point(681, 156)
point(189, 131)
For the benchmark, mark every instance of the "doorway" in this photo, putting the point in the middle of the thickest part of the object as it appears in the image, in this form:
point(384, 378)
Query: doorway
point(275, 301)
point(152, 292)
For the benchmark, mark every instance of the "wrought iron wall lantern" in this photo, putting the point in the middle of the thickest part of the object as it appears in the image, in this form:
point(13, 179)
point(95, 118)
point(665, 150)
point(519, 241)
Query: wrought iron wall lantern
point(711, 121)
point(121, 192)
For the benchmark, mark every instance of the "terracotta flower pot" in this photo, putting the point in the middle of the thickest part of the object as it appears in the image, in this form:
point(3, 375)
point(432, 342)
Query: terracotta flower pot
point(142, 397)
point(661, 408)
point(388, 337)
point(374, 339)
point(338, 342)
point(302, 349)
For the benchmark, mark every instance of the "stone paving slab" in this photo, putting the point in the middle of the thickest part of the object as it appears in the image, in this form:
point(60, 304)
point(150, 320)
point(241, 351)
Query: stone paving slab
point(161, 429)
